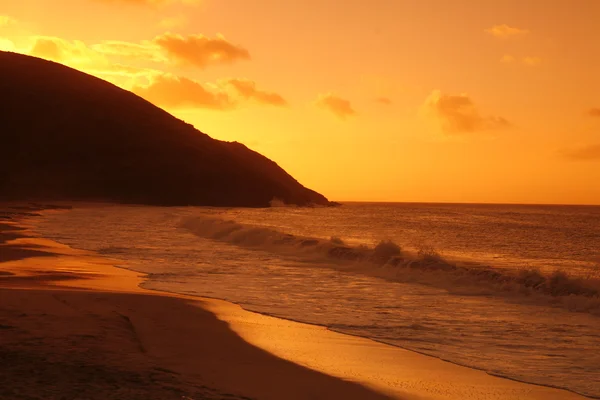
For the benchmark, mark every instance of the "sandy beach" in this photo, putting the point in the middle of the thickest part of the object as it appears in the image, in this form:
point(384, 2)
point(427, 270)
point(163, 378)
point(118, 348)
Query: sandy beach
point(73, 326)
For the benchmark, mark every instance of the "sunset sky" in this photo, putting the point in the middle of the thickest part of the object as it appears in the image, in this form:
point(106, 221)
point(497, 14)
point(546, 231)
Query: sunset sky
point(381, 100)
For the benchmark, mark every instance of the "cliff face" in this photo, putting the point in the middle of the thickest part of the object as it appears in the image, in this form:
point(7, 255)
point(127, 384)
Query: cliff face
point(67, 135)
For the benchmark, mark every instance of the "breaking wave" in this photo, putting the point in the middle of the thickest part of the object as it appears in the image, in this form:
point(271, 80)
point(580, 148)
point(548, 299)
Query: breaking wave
point(389, 261)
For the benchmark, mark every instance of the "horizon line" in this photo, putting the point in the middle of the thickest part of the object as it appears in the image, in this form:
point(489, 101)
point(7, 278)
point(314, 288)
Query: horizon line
point(466, 203)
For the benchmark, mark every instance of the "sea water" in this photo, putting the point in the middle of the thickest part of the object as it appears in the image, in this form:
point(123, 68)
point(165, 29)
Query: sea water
point(509, 289)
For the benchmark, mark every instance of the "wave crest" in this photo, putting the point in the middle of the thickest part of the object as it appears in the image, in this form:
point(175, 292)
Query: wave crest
point(426, 266)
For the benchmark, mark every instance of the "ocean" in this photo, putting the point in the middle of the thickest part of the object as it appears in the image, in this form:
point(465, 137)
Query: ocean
point(513, 290)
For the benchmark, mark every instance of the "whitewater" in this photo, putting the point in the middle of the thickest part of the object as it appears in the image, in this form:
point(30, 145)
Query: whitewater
point(510, 289)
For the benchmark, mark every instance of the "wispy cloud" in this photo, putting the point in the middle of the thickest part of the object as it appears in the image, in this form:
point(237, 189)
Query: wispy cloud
point(386, 101)
point(196, 50)
point(145, 51)
point(337, 105)
point(247, 89)
point(78, 55)
point(153, 84)
point(532, 61)
point(6, 45)
point(66, 51)
point(458, 114)
point(529, 61)
point(583, 153)
point(172, 91)
point(594, 112)
point(504, 31)
point(5, 20)
point(178, 92)
point(200, 50)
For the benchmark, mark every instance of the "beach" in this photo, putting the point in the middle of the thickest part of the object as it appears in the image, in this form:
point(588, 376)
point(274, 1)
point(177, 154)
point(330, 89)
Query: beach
point(289, 200)
point(72, 325)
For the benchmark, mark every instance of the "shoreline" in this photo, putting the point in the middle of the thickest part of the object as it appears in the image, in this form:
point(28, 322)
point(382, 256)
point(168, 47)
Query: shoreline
point(380, 367)
point(368, 338)
point(195, 355)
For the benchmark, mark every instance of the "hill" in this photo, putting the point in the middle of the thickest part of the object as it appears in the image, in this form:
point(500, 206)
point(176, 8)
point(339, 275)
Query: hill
point(66, 135)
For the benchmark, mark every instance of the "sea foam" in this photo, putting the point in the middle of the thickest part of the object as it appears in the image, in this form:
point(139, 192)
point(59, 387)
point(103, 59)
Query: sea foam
point(387, 260)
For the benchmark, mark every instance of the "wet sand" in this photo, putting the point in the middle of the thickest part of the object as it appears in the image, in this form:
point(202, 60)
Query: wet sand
point(73, 326)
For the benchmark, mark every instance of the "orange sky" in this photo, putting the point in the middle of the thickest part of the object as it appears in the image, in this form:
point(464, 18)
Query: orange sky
point(385, 100)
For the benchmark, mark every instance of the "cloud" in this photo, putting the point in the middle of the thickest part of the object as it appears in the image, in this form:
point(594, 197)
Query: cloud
point(594, 112)
point(172, 91)
point(529, 61)
point(5, 20)
point(247, 89)
point(177, 92)
point(65, 51)
point(78, 55)
point(6, 45)
point(200, 50)
point(532, 61)
point(340, 107)
point(196, 50)
point(504, 31)
point(590, 152)
point(75, 51)
point(104, 60)
point(146, 51)
point(458, 114)
point(384, 100)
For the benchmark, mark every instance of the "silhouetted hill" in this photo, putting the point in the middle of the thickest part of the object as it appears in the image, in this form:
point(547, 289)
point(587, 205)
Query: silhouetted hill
point(67, 135)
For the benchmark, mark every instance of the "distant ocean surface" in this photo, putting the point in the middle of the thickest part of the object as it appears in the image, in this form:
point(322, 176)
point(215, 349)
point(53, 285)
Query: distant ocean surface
point(461, 289)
